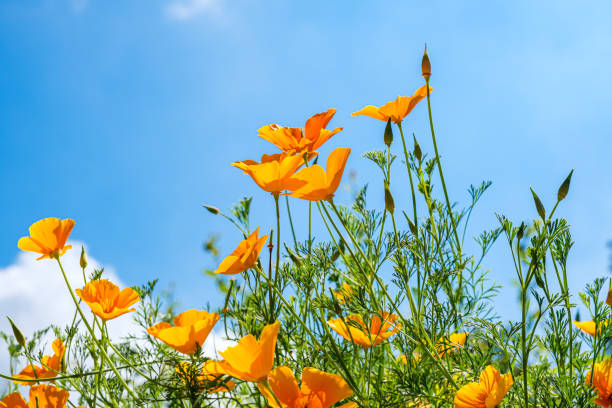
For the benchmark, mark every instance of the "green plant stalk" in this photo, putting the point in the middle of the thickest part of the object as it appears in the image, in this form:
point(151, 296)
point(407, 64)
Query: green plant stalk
point(309, 227)
point(291, 222)
point(414, 203)
point(277, 266)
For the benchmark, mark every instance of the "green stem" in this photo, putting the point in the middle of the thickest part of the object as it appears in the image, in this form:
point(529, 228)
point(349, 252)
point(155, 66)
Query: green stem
point(414, 204)
point(291, 222)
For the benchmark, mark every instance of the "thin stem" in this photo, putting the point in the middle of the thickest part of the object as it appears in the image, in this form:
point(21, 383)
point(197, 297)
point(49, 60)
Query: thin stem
point(290, 221)
point(414, 204)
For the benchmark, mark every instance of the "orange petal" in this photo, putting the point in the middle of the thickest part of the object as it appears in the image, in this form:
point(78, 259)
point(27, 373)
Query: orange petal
point(330, 388)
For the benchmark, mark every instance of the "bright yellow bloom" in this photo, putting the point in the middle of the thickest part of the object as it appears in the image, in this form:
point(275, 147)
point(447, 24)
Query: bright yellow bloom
point(48, 237)
point(354, 329)
point(41, 396)
point(244, 256)
point(602, 382)
point(106, 300)
point(298, 140)
point(314, 184)
point(589, 326)
point(51, 365)
point(319, 389)
point(344, 293)
point(251, 359)
point(274, 171)
point(190, 330)
point(396, 110)
point(487, 393)
point(454, 342)
point(210, 377)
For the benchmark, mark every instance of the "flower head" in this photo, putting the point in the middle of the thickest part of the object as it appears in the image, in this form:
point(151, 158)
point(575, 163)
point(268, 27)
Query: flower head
point(274, 171)
point(41, 396)
point(190, 330)
point(355, 330)
point(251, 359)
point(298, 140)
point(589, 326)
point(51, 365)
point(209, 378)
point(344, 293)
point(602, 382)
point(106, 300)
point(48, 237)
point(319, 389)
point(451, 344)
point(244, 256)
point(487, 393)
point(396, 110)
point(314, 184)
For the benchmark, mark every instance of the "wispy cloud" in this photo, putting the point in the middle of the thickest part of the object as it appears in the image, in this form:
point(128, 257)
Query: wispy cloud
point(188, 9)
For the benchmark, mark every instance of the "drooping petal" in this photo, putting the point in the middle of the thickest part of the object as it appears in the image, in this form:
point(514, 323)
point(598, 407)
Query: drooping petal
point(330, 388)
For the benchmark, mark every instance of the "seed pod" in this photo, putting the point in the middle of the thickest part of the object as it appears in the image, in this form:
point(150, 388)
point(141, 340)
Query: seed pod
point(389, 202)
point(296, 260)
point(83, 259)
point(562, 193)
point(212, 209)
point(539, 281)
point(609, 299)
point(417, 149)
point(426, 66)
point(388, 134)
point(539, 205)
point(17, 333)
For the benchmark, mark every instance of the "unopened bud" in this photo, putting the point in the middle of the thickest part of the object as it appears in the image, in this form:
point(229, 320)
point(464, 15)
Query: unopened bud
point(426, 66)
point(417, 149)
point(538, 204)
point(17, 333)
point(562, 193)
point(389, 202)
point(609, 299)
point(83, 259)
point(211, 209)
point(296, 260)
point(521, 231)
point(388, 133)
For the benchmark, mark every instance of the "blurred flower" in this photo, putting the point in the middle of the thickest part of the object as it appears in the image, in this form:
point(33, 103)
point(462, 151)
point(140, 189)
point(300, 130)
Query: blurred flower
point(344, 293)
point(298, 140)
point(274, 171)
point(601, 382)
point(314, 184)
point(487, 393)
point(396, 110)
point(41, 396)
point(589, 326)
point(319, 389)
point(190, 330)
point(354, 329)
point(416, 358)
point(244, 256)
point(454, 342)
point(48, 237)
point(209, 377)
point(251, 359)
point(106, 300)
point(51, 365)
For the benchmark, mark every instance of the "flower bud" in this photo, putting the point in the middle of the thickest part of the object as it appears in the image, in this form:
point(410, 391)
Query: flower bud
point(520, 232)
point(609, 299)
point(212, 209)
point(388, 134)
point(417, 149)
point(17, 333)
point(83, 260)
point(538, 204)
point(389, 202)
point(426, 66)
point(562, 193)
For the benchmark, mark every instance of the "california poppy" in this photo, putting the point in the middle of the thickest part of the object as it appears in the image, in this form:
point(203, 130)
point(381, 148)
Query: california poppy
point(209, 377)
point(344, 293)
point(298, 140)
point(396, 110)
point(106, 300)
point(48, 237)
point(41, 396)
point(487, 393)
point(314, 184)
point(274, 171)
point(319, 389)
point(244, 256)
point(602, 380)
point(589, 326)
point(251, 359)
point(453, 343)
point(51, 365)
point(190, 330)
point(354, 329)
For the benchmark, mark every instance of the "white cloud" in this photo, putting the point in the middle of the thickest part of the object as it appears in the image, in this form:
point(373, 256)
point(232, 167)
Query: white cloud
point(187, 9)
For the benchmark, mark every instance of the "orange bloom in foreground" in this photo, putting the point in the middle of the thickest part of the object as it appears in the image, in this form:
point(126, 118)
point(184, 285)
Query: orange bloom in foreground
point(41, 396)
point(589, 326)
point(244, 256)
point(190, 330)
point(106, 300)
point(314, 184)
point(273, 172)
point(602, 382)
point(319, 389)
point(209, 378)
point(396, 110)
point(296, 140)
point(51, 365)
point(48, 237)
point(354, 329)
point(251, 359)
point(487, 393)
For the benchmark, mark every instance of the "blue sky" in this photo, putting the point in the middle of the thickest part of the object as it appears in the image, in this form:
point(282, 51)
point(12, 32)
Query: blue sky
point(126, 115)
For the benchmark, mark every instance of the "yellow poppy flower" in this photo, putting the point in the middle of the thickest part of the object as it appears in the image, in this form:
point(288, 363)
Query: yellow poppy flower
point(589, 326)
point(274, 171)
point(396, 110)
point(190, 330)
point(48, 237)
point(354, 329)
point(488, 393)
point(41, 396)
point(454, 342)
point(344, 293)
point(106, 300)
point(602, 382)
point(51, 365)
point(244, 256)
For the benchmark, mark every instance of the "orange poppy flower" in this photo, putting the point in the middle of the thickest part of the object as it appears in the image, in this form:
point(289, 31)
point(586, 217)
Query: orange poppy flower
point(589, 326)
point(251, 359)
point(602, 382)
point(344, 293)
point(298, 140)
point(51, 365)
point(48, 237)
point(454, 342)
point(319, 389)
point(354, 329)
point(244, 256)
point(274, 171)
point(41, 396)
point(314, 184)
point(106, 300)
point(487, 393)
point(396, 110)
point(190, 330)
point(209, 378)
